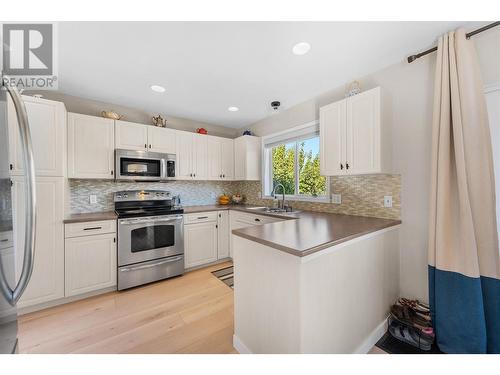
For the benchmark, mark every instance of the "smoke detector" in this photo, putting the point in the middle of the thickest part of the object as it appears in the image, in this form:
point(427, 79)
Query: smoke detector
point(275, 105)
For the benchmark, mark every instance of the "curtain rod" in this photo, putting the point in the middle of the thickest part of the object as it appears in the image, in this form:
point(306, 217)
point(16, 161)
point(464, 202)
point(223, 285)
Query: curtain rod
point(412, 58)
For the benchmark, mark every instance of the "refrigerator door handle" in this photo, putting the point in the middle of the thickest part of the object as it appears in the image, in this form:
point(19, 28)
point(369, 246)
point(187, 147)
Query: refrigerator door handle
point(13, 295)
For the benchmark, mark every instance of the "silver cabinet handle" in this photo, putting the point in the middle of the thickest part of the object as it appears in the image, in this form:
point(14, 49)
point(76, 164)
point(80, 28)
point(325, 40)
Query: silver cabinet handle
point(202, 217)
point(170, 260)
point(92, 228)
point(13, 295)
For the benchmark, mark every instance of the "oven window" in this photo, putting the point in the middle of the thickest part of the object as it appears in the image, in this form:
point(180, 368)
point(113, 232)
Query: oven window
point(139, 167)
point(147, 238)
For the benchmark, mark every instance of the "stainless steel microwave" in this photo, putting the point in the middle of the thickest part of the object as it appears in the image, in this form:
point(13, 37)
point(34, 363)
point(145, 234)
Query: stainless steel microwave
point(144, 165)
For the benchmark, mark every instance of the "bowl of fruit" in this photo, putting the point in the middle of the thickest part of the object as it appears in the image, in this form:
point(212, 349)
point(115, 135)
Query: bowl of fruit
point(237, 198)
point(224, 199)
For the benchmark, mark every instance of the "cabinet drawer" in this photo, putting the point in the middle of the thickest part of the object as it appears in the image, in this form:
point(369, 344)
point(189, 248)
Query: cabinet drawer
point(252, 219)
point(90, 228)
point(201, 217)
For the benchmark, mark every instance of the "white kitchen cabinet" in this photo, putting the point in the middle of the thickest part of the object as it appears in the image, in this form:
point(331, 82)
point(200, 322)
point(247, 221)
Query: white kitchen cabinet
point(220, 158)
point(131, 136)
point(351, 136)
point(214, 158)
point(200, 243)
point(162, 139)
point(247, 158)
point(90, 262)
point(47, 122)
point(238, 220)
point(47, 280)
point(227, 158)
point(332, 119)
point(141, 137)
point(91, 145)
point(192, 156)
point(223, 234)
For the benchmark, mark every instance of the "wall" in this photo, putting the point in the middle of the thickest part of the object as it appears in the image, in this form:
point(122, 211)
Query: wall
point(410, 91)
point(94, 108)
point(192, 192)
point(361, 195)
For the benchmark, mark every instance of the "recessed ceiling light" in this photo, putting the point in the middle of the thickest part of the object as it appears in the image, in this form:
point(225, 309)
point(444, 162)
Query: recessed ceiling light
point(157, 88)
point(233, 109)
point(301, 48)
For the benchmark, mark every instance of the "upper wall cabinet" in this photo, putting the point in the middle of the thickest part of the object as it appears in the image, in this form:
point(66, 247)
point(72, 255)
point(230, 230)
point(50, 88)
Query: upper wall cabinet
point(132, 136)
point(247, 156)
point(47, 121)
point(91, 145)
point(220, 158)
point(351, 136)
point(192, 155)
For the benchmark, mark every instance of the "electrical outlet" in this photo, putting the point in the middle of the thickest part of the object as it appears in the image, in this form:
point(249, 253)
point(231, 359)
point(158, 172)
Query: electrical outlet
point(337, 198)
point(93, 199)
point(388, 201)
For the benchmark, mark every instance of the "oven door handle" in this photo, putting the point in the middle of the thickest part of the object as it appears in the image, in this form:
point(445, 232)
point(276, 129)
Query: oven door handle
point(147, 221)
point(145, 266)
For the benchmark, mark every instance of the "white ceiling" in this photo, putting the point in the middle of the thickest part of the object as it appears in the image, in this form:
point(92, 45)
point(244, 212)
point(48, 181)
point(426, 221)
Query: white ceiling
point(208, 66)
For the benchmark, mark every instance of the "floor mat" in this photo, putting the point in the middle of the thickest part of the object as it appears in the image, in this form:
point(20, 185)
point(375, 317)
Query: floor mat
point(392, 345)
point(225, 275)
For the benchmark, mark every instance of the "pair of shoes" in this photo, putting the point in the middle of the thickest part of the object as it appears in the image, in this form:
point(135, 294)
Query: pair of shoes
point(409, 335)
point(410, 318)
point(415, 305)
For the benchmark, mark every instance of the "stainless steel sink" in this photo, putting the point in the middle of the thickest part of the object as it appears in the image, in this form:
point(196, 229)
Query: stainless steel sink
point(272, 210)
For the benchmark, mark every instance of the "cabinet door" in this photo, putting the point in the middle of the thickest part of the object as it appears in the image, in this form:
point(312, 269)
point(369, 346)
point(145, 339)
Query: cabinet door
point(47, 281)
point(240, 160)
point(200, 241)
point(131, 136)
point(332, 131)
point(214, 158)
point(161, 139)
point(222, 234)
point(90, 263)
point(91, 147)
point(227, 158)
point(200, 156)
point(363, 133)
point(184, 145)
point(47, 121)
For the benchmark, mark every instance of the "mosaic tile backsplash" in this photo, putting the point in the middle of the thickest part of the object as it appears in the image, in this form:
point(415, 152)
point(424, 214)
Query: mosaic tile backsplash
point(361, 195)
point(192, 192)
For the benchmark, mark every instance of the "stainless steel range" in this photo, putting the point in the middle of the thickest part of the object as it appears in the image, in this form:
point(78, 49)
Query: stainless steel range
point(150, 237)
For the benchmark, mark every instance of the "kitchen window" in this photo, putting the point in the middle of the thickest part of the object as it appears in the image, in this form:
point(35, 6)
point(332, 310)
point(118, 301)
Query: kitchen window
point(292, 159)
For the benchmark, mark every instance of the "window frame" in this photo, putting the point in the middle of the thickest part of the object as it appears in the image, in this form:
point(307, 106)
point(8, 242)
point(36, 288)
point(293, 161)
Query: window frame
point(267, 163)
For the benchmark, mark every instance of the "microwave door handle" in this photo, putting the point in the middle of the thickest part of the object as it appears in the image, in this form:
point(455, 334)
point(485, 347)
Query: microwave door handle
point(163, 167)
point(13, 295)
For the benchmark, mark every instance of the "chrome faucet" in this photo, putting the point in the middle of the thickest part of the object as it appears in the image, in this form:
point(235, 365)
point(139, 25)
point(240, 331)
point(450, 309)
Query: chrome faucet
point(283, 199)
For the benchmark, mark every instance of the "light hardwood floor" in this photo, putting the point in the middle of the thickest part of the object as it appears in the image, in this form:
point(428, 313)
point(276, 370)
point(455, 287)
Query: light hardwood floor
point(188, 314)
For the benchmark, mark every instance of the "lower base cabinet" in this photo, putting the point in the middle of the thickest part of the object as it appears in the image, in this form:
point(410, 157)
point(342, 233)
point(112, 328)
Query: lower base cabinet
point(47, 280)
point(200, 243)
point(90, 260)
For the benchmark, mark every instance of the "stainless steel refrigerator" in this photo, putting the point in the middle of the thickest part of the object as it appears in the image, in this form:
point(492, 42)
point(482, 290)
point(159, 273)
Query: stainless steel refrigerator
point(10, 288)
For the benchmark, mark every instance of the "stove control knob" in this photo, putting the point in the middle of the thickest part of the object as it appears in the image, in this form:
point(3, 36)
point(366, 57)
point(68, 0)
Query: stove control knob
point(119, 196)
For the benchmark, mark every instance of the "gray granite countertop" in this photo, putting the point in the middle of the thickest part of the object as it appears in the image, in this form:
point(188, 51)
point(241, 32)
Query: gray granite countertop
point(92, 216)
point(300, 233)
point(303, 233)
